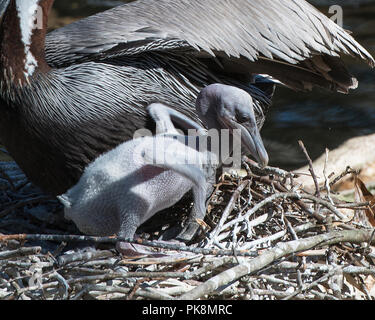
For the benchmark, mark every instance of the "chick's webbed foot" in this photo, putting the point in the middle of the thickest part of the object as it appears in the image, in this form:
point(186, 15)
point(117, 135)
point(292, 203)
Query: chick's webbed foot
point(183, 234)
point(130, 250)
point(188, 233)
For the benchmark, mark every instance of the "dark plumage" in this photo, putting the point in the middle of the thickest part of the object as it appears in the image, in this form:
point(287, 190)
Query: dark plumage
point(90, 87)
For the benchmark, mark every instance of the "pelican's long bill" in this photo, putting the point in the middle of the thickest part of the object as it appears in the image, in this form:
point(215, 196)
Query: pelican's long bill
point(250, 138)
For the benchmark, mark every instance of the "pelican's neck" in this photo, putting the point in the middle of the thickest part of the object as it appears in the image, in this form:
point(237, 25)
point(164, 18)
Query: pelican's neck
point(22, 34)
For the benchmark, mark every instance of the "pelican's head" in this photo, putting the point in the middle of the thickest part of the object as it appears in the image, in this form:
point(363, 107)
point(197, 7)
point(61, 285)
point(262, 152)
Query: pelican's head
point(226, 107)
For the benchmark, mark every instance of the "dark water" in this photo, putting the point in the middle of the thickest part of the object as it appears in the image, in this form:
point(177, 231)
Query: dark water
point(321, 119)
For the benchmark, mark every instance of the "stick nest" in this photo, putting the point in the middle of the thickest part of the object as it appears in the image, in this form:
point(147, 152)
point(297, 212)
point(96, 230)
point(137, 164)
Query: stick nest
point(264, 238)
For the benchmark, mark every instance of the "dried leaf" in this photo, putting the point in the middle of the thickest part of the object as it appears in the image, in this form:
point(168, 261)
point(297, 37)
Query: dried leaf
point(364, 195)
point(203, 224)
point(355, 286)
point(370, 285)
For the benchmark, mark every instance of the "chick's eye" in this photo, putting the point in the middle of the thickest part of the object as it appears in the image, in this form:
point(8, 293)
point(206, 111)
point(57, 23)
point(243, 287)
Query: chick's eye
point(242, 117)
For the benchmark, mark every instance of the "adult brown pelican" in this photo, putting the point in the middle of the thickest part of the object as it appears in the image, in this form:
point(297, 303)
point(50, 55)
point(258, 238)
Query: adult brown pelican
point(82, 90)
